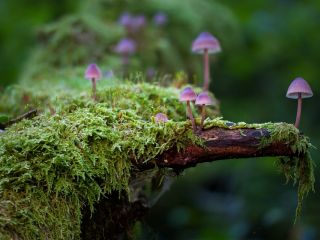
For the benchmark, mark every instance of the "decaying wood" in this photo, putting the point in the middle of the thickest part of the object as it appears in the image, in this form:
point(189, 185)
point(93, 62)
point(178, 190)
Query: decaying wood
point(220, 143)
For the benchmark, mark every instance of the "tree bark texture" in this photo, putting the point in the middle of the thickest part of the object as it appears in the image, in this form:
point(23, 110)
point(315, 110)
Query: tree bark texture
point(220, 143)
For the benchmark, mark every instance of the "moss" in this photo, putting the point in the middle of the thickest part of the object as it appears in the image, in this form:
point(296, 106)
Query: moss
point(54, 165)
point(299, 169)
point(51, 166)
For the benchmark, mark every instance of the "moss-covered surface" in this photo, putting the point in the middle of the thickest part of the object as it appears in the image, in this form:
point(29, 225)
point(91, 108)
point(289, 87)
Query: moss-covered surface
point(53, 165)
point(299, 169)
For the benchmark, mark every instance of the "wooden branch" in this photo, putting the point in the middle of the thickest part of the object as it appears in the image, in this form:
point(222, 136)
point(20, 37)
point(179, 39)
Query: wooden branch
point(28, 115)
point(220, 143)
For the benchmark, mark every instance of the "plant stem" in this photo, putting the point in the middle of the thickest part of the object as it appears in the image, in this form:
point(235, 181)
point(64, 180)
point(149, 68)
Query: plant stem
point(191, 116)
point(94, 89)
point(203, 115)
point(298, 111)
point(206, 70)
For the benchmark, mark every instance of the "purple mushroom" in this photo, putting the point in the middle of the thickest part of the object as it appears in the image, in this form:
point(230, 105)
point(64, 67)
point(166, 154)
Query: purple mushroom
point(298, 89)
point(161, 118)
point(125, 48)
point(150, 74)
point(138, 22)
point(203, 100)
point(188, 95)
point(93, 73)
point(160, 19)
point(125, 20)
point(205, 43)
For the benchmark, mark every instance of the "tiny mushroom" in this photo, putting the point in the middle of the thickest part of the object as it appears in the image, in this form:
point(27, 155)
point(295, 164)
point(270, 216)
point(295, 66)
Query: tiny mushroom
point(161, 118)
point(160, 19)
point(298, 89)
point(188, 95)
point(125, 20)
point(205, 43)
point(125, 48)
point(138, 22)
point(93, 73)
point(203, 100)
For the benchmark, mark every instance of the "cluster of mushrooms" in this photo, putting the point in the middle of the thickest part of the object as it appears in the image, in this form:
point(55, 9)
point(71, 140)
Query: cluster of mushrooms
point(134, 26)
point(204, 44)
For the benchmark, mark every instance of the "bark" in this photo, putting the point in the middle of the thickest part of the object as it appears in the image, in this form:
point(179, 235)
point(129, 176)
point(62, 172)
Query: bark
point(220, 143)
point(113, 217)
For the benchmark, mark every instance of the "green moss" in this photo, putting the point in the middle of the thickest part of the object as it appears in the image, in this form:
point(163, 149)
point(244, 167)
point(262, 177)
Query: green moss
point(51, 166)
point(299, 169)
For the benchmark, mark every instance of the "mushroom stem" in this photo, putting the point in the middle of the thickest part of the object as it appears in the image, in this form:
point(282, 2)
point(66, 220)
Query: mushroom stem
point(206, 70)
point(94, 83)
point(191, 116)
point(203, 115)
point(298, 111)
point(125, 64)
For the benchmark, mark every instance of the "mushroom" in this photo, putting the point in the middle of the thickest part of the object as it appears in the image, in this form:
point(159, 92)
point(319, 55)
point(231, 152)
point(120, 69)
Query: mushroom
point(205, 43)
point(188, 95)
point(125, 48)
point(138, 22)
point(298, 89)
point(125, 20)
point(160, 19)
point(203, 100)
point(161, 118)
point(93, 73)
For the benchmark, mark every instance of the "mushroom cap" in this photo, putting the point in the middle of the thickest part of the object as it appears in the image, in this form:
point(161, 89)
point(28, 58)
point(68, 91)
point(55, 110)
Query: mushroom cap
point(187, 95)
point(299, 86)
point(205, 40)
point(161, 117)
point(160, 19)
point(125, 19)
point(126, 46)
point(204, 99)
point(93, 72)
point(138, 22)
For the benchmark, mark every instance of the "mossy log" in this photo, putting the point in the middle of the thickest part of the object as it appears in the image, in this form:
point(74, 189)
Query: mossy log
point(83, 170)
point(220, 144)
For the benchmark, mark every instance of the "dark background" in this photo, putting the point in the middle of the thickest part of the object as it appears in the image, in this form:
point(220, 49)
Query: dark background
point(266, 44)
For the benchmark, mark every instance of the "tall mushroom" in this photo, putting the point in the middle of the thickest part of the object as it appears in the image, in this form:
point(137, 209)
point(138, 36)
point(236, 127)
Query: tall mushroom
point(93, 73)
point(298, 89)
point(203, 100)
point(125, 48)
point(188, 95)
point(204, 44)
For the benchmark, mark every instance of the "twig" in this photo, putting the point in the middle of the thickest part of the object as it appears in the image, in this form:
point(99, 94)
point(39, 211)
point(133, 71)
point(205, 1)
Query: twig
point(28, 115)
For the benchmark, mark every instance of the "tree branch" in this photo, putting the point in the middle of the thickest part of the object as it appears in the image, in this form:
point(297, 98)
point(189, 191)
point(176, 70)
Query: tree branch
point(220, 143)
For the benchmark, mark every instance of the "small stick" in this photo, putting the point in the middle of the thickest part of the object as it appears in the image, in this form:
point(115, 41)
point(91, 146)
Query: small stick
point(28, 115)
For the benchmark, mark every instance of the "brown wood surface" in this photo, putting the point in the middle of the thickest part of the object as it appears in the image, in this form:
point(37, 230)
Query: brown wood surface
point(220, 143)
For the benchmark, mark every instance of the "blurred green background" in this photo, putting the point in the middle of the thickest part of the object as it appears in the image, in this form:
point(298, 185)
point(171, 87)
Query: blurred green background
point(266, 44)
